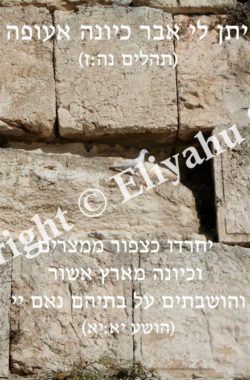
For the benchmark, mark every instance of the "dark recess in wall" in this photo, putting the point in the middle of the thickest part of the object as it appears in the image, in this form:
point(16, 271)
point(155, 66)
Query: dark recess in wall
point(200, 181)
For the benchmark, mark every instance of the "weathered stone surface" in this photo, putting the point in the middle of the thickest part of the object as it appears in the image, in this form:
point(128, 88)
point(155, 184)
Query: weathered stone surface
point(175, 6)
point(188, 6)
point(201, 6)
point(103, 101)
point(166, 5)
point(5, 295)
point(51, 339)
point(27, 95)
point(43, 182)
point(232, 188)
point(34, 183)
point(210, 343)
point(53, 4)
point(114, 103)
point(213, 79)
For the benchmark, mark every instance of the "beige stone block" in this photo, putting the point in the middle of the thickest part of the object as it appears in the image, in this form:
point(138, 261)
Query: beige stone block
point(38, 183)
point(232, 192)
point(207, 342)
point(52, 338)
point(27, 93)
point(122, 101)
point(188, 6)
point(5, 299)
point(54, 4)
point(213, 78)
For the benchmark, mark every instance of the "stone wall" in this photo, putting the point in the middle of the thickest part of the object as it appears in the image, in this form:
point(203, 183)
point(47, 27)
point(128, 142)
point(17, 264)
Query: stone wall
point(61, 129)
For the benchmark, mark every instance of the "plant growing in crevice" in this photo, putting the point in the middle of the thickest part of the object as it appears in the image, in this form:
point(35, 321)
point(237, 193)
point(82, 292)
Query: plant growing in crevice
point(105, 369)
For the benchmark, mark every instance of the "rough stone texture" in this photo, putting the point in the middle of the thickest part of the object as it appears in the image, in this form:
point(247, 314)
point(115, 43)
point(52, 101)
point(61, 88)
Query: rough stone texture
point(5, 295)
point(188, 6)
point(39, 183)
point(131, 106)
point(53, 4)
point(213, 79)
point(34, 183)
point(210, 343)
point(232, 173)
point(175, 6)
point(27, 96)
point(59, 343)
point(114, 100)
point(207, 343)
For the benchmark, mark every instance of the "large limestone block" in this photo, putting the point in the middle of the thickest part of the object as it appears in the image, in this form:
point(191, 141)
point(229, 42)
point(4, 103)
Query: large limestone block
point(50, 339)
point(106, 101)
point(52, 4)
point(172, 6)
point(213, 79)
point(208, 342)
point(27, 94)
point(232, 190)
point(188, 6)
point(166, 5)
point(36, 183)
point(5, 295)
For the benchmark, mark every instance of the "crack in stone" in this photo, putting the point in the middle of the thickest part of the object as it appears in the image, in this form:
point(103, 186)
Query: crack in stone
point(71, 309)
point(208, 331)
point(11, 292)
point(133, 315)
point(177, 91)
point(56, 124)
point(205, 316)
